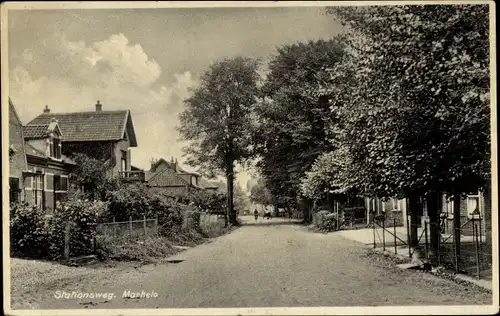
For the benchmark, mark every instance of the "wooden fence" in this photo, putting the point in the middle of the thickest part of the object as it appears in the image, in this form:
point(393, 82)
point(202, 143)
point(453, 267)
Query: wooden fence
point(134, 229)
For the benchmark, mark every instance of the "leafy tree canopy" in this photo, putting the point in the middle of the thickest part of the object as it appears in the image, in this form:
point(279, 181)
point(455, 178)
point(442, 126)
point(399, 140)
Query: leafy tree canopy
point(416, 109)
point(217, 115)
point(293, 114)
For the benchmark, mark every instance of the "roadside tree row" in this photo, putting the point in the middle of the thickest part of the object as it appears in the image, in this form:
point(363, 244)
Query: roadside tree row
point(397, 105)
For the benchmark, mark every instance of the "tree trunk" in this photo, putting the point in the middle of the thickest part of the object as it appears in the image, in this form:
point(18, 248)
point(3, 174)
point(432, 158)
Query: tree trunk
point(231, 214)
point(306, 209)
point(456, 224)
point(434, 205)
point(413, 207)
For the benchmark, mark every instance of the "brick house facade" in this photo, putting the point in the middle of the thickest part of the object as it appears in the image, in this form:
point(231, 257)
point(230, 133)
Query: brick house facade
point(39, 167)
point(479, 202)
point(394, 209)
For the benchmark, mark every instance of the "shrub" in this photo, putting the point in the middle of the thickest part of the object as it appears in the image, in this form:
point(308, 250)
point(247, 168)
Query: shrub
point(191, 221)
point(129, 200)
point(27, 231)
point(55, 237)
point(104, 247)
point(170, 222)
point(324, 221)
point(212, 203)
point(137, 201)
point(82, 216)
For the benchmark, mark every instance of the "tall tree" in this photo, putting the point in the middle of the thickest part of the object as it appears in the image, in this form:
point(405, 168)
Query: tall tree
point(293, 115)
point(418, 120)
point(217, 118)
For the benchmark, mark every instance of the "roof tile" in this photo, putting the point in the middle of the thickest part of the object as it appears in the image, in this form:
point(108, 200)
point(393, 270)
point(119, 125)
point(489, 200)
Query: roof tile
point(166, 178)
point(35, 131)
point(87, 126)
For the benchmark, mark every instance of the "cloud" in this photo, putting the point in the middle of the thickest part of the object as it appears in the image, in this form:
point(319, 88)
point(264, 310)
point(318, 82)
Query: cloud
point(123, 62)
point(118, 74)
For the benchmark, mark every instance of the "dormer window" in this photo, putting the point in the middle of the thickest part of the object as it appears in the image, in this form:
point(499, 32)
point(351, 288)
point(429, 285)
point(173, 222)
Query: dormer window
point(55, 147)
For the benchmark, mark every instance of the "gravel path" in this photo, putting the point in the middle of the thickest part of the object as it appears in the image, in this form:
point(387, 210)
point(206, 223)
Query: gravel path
point(266, 266)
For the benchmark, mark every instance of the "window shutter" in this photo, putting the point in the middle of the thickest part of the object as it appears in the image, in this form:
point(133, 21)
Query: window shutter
point(64, 184)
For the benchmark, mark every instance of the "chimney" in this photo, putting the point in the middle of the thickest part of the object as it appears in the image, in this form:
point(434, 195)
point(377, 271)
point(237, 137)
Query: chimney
point(46, 110)
point(153, 162)
point(98, 106)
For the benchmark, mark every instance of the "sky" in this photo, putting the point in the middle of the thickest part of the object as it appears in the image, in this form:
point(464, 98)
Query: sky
point(143, 60)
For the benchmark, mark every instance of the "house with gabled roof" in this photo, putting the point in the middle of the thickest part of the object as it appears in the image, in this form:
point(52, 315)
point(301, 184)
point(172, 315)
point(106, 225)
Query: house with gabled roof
point(39, 170)
point(104, 135)
point(171, 179)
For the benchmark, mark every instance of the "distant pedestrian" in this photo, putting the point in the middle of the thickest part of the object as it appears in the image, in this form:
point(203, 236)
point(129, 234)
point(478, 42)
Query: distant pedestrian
point(256, 214)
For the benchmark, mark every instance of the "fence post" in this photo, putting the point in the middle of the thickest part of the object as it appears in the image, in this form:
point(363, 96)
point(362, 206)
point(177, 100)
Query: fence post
point(439, 244)
point(383, 232)
point(114, 227)
point(130, 225)
point(374, 239)
point(480, 235)
point(67, 235)
point(426, 241)
point(145, 228)
point(457, 230)
point(156, 224)
point(336, 205)
point(408, 236)
point(475, 228)
point(395, 240)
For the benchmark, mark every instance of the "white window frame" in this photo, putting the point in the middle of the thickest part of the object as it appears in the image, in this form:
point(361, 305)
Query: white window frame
point(54, 151)
point(476, 196)
point(395, 205)
point(37, 191)
point(450, 208)
point(39, 182)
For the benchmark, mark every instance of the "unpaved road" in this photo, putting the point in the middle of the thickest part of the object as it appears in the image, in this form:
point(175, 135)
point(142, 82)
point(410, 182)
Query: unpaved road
point(267, 265)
